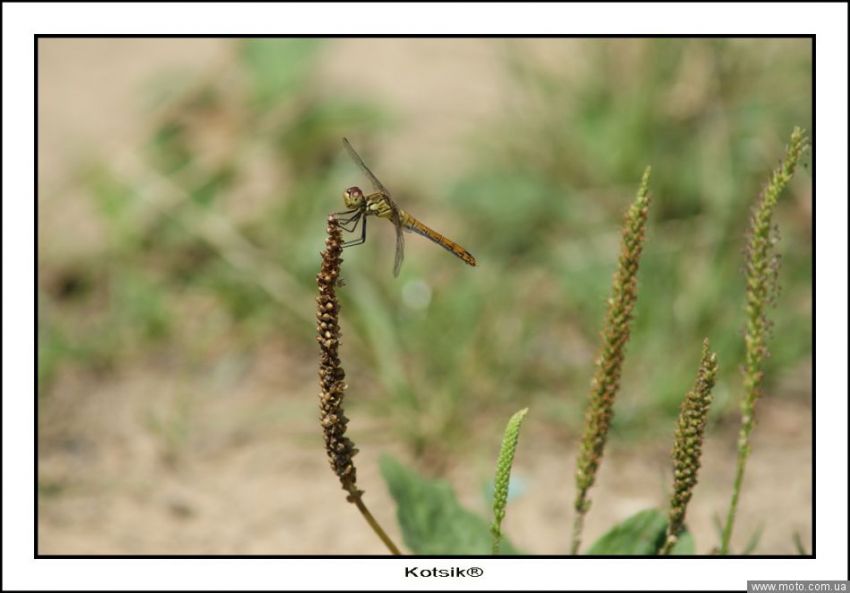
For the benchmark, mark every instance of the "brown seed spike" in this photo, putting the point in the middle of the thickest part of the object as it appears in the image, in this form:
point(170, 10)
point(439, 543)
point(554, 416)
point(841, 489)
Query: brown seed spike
point(339, 448)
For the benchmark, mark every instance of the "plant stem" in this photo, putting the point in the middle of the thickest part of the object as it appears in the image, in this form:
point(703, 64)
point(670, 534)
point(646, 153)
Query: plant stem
point(357, 498)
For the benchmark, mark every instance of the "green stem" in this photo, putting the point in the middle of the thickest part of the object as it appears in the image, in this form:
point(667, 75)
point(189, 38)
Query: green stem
point(578, 526)
point(743, 454)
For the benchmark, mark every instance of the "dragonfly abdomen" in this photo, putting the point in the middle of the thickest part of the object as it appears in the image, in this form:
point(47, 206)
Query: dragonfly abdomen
point(411, 223)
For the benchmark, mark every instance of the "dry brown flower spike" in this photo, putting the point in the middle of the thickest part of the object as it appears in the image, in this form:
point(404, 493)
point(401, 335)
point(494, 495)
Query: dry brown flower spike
point(339, 447)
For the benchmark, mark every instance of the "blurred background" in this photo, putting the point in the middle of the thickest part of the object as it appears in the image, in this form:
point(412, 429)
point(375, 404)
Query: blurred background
point(183, 191)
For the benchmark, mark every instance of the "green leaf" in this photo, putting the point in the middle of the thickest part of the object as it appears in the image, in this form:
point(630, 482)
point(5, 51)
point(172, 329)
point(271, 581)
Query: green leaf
point(431, 519)
point(641, 534)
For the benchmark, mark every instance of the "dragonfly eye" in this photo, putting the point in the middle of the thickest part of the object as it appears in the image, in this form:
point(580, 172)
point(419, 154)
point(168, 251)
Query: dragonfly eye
point(353, 197)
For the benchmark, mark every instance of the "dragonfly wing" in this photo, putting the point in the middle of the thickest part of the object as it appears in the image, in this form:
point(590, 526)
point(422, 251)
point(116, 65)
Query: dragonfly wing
point(399, 242)
point(395, 215)
point(356, 158)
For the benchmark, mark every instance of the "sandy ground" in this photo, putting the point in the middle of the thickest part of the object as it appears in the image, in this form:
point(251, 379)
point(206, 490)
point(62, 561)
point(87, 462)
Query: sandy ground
point(158, 460)
point(139, 463)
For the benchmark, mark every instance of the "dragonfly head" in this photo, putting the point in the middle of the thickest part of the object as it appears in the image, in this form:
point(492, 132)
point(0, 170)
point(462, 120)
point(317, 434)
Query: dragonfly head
point(353, 197)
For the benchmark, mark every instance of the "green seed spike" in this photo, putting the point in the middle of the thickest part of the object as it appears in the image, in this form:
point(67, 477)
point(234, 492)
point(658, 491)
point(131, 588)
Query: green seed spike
point(762, 278)
point(687, 447)
point(503, 475)
point(609, 364)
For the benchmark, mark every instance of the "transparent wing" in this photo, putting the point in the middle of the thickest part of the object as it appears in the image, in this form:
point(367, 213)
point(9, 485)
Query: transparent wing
point(396, 216)
point(399, 242)
point(356, 158)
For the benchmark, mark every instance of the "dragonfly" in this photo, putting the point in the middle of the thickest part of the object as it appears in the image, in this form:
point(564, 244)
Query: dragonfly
point(380, 203)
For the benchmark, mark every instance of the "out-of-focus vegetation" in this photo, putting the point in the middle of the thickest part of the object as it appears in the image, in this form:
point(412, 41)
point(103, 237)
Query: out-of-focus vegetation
point(212, 233)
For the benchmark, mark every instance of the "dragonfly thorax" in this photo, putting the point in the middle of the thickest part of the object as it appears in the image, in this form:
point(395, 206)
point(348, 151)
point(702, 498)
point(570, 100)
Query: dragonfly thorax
point(353, 197)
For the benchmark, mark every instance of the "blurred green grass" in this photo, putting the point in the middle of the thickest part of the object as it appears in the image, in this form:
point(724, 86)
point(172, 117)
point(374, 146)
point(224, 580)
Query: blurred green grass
point(193, 254)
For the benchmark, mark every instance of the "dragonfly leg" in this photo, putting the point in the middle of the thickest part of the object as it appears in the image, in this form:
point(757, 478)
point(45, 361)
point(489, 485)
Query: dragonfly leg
point(347, 216)
point(350, 225)
point(362, 238)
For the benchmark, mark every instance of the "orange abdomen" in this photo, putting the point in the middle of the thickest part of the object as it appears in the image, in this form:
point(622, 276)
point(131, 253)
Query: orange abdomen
point(411, 223)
